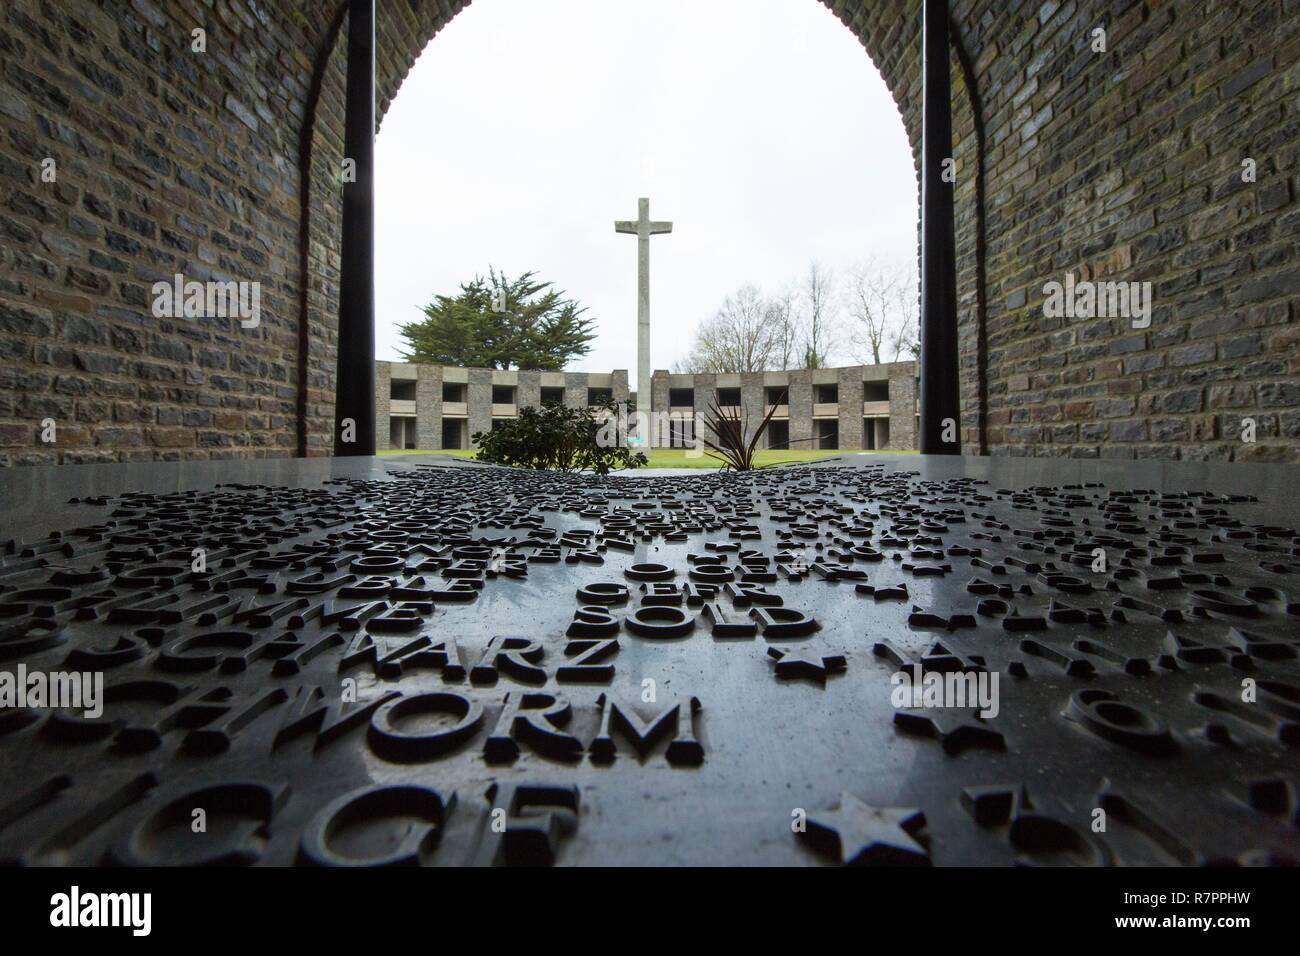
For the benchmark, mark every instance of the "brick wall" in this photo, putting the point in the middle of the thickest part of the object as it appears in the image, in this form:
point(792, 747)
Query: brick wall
point(1127, 165)
point(225, 165)
point(165, 161)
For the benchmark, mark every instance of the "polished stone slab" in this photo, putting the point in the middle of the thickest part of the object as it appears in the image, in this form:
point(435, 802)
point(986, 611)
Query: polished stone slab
point(421, 658)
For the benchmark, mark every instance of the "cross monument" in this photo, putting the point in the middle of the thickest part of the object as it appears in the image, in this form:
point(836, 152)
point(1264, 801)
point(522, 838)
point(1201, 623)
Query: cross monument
point(643, 228)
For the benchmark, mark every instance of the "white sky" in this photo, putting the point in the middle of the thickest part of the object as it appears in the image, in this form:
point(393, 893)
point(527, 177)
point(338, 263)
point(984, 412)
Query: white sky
point(760, 128)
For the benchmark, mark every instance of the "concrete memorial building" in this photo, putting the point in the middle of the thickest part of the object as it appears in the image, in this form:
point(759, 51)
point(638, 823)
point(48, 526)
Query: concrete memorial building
point(857, 408)
point(438, 406)
point(862, 407)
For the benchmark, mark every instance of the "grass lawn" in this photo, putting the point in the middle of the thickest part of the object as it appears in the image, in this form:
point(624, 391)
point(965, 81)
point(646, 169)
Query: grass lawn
point(672, 457)
point(689, 458)
point(458, 452)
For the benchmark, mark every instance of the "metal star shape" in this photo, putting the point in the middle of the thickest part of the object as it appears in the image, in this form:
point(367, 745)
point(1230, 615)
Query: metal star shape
point(955, 730)
point(790, 665)
point(863, 835)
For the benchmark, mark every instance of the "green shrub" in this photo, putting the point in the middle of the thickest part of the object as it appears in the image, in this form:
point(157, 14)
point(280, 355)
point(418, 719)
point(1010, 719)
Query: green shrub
point(557, 437)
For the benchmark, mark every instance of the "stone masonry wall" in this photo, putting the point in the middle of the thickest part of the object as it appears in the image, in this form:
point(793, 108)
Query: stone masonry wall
point(529, 390)
point(850, 401)
point(383, 405)
point(705, 394)
point(575, 390)
point(428, 406)
point(127, 157)
point(1128, 165)
point(799, 396)
point(902, 407)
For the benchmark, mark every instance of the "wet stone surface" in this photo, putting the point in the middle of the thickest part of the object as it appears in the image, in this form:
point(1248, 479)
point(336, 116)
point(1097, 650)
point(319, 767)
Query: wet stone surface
point(425, 662)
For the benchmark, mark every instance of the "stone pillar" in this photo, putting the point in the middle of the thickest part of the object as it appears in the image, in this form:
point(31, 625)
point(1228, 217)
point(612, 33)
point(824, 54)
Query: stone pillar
point(658, 393)
point(479, 402)
point(621, 391)
point(528, 390)
point(752, 408)
point(575, 389)
point(801, 403)
point(383, 393)
point(428, 406)
point(706, 396)
point(619, 385)
point(850, 386)
point(657, 407)
point(902, 406)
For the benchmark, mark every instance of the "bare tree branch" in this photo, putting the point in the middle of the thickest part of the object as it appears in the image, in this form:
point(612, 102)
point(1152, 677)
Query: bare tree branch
point(819, 323)
point(742, 336)
point(881, 300)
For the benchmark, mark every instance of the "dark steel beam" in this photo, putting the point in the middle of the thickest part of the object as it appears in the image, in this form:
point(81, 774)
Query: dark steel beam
point(940, 402)
point(354, 400)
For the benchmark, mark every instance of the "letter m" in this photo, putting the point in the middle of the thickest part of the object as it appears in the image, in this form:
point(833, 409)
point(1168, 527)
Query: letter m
point(223, 299)
point(1116, 298)
point(65, 690)
point(115, 909)
point(677, 717)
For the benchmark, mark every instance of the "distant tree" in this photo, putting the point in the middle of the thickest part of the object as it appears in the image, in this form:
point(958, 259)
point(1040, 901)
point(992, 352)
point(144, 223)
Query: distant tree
point(785, 317)
point(882, 302)
point(819, 319)
point(752, 332)
point(741, 336)
point(503, 323)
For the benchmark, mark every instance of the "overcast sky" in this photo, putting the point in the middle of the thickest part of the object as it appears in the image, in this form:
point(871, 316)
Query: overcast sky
point(760, 128)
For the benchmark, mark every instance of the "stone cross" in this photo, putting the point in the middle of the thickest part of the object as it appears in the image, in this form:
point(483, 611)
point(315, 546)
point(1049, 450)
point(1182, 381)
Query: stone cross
point(643, 228)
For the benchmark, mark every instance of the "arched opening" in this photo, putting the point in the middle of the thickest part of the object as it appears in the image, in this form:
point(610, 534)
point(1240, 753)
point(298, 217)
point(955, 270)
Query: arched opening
point(889, 32)
point(776, 148)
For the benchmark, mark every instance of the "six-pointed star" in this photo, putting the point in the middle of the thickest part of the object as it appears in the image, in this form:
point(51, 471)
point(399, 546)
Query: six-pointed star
point(863, 835)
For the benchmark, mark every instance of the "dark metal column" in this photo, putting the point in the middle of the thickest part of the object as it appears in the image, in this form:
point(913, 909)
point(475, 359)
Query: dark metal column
point(940, 403)
point(355, 389)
